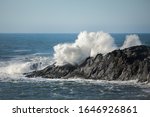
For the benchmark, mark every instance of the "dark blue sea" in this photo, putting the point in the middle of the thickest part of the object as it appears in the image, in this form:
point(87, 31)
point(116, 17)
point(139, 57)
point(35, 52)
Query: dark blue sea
point(20, 52)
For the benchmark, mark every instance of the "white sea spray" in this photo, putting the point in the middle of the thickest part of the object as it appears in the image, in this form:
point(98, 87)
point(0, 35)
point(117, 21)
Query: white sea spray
point(90, 44)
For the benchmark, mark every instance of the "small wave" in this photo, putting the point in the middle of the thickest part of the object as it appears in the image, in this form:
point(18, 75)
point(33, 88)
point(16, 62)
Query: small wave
point(90, 81)
point(23, 50)
point(36, 54)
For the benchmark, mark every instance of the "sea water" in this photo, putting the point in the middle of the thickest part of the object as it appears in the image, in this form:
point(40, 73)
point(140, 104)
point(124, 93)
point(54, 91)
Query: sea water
point(22, 53)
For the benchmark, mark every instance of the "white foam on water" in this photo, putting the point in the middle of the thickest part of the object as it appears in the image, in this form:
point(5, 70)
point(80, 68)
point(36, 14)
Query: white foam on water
point(16, 67)
point(91, 81)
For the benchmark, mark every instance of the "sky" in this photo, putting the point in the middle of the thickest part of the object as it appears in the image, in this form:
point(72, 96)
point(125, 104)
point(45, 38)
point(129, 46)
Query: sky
point(73, 16)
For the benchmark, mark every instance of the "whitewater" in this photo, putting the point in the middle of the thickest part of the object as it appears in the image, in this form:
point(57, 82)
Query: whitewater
point(22, 53)
point(89, 45)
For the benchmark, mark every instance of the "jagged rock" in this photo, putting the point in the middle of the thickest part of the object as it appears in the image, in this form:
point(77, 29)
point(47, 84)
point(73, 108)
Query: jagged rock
point(53, 71)
point(128, 64)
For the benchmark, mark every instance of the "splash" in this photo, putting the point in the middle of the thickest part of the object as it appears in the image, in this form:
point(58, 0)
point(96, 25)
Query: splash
point(89, 44)
point(16, 67)
point(131, 40)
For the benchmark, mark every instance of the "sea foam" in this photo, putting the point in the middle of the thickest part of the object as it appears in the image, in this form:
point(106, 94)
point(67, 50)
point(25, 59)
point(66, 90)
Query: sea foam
point(16, 67)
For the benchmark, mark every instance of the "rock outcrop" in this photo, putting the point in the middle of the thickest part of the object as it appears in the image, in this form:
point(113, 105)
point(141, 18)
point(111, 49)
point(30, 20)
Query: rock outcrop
point(128, 64)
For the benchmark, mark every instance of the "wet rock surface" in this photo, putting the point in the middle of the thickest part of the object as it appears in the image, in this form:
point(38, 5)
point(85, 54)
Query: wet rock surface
point(128, 64)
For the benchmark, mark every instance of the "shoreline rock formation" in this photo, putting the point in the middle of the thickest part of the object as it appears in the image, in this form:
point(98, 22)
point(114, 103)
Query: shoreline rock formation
point(128, 64)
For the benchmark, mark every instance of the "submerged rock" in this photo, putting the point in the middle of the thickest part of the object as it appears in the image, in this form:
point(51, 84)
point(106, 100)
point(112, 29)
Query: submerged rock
point(128, 64)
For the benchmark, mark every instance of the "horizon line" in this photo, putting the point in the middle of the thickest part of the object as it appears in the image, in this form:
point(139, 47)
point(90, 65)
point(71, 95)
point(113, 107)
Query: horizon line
point(71, 32)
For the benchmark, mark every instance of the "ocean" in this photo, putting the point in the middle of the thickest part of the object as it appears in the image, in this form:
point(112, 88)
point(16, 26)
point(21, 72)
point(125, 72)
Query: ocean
point(22, 53)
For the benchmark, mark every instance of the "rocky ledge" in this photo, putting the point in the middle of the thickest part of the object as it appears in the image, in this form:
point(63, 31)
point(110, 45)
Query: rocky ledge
point(128, 64)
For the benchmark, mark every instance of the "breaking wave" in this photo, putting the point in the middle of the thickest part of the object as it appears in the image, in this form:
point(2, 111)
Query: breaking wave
point(90, 44)
point(16, 67)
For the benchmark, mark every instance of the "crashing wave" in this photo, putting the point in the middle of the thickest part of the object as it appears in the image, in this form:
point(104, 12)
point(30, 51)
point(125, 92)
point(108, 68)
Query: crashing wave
point(89, 45)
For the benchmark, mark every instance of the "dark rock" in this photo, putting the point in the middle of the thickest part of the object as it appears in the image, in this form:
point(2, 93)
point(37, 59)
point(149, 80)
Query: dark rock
point(129, 64)
point(53, 71)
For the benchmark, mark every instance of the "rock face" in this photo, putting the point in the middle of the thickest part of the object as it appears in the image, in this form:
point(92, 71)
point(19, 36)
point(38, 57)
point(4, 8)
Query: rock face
point(129, 64)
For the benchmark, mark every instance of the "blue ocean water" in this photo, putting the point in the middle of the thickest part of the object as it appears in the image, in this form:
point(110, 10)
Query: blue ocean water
point(20, 52)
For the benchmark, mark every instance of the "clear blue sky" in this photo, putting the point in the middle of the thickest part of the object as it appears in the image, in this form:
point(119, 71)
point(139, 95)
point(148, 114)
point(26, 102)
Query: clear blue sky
point(66, 16)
